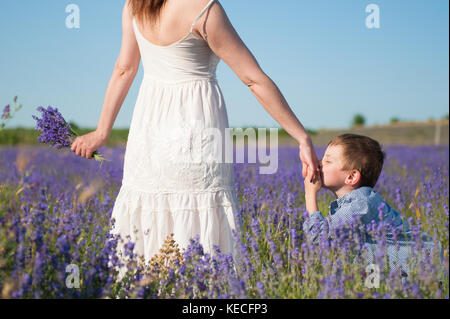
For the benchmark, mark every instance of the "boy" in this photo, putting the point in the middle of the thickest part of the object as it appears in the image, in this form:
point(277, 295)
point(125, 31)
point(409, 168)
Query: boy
point(350, 169)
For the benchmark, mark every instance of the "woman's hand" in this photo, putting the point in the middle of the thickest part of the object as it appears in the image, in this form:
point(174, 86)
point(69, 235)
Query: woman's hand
point(308, 157)
point(87, 144)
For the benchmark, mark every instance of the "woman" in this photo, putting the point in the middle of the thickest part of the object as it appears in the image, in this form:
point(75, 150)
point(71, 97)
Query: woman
point(160, 192)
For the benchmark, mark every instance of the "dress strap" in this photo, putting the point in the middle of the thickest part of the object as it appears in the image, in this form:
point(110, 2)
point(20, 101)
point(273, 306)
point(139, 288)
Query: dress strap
point(204, 10)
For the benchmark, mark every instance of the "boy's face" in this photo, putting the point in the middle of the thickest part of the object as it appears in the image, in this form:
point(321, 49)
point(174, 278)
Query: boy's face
point(333, 177)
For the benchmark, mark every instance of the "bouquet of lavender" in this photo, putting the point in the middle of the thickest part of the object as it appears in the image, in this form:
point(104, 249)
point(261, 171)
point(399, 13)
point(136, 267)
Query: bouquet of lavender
point(7, 115)
point(56, 132)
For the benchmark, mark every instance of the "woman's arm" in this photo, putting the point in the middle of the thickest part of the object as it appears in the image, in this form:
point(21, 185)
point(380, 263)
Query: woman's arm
point(124, 72)
point(228, 46)
point(125, 69)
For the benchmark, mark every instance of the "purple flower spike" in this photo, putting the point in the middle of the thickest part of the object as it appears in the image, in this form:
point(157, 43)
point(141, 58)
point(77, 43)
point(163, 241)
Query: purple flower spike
point(6, 112)
point(56, 132)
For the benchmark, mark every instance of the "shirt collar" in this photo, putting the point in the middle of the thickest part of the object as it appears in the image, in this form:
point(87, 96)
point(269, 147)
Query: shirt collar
point(362, 191)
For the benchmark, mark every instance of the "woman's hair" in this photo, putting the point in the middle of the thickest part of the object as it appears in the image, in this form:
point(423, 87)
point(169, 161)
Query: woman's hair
point(146, 10)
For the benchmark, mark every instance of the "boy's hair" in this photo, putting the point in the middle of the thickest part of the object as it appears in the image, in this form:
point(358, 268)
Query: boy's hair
point(363, 154)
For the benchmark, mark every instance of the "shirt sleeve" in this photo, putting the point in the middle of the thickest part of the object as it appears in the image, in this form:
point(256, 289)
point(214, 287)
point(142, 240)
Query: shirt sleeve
point(314, 226)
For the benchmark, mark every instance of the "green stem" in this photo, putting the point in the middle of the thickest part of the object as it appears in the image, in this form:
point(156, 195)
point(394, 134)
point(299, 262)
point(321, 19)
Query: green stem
point(99, 158)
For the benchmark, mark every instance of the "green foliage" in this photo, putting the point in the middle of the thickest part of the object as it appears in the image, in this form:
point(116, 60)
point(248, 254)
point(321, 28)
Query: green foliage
point(358, 120)
point(74, 125)
point(17, 136)
point(117, 137)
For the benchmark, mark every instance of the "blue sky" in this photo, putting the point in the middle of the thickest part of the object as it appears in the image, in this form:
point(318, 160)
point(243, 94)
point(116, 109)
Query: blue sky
point(320, 53)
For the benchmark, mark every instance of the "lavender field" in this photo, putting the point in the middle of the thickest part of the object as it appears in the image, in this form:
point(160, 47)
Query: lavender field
point(55, 211)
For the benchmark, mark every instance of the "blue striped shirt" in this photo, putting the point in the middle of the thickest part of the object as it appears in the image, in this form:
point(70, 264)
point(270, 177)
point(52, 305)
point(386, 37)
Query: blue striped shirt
point(365, 205)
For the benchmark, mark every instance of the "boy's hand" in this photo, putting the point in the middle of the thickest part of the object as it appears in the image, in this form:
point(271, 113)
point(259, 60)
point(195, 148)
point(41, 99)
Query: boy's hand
point(313, 182)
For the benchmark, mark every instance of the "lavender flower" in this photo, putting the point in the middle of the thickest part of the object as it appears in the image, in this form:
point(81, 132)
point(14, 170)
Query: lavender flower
point(6, 112)
point(45, 230)
point(56, 132)
point(7, 115)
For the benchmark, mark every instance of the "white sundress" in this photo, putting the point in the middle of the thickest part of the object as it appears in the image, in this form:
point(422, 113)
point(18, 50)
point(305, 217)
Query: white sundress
point(161, 191)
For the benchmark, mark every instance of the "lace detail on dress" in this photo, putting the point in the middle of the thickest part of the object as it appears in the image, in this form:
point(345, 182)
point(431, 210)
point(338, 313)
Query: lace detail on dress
point(172, 161)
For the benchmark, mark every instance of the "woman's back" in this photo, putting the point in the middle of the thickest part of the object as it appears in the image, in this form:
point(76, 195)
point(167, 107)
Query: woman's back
point(174, 23)
point(188, 58)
